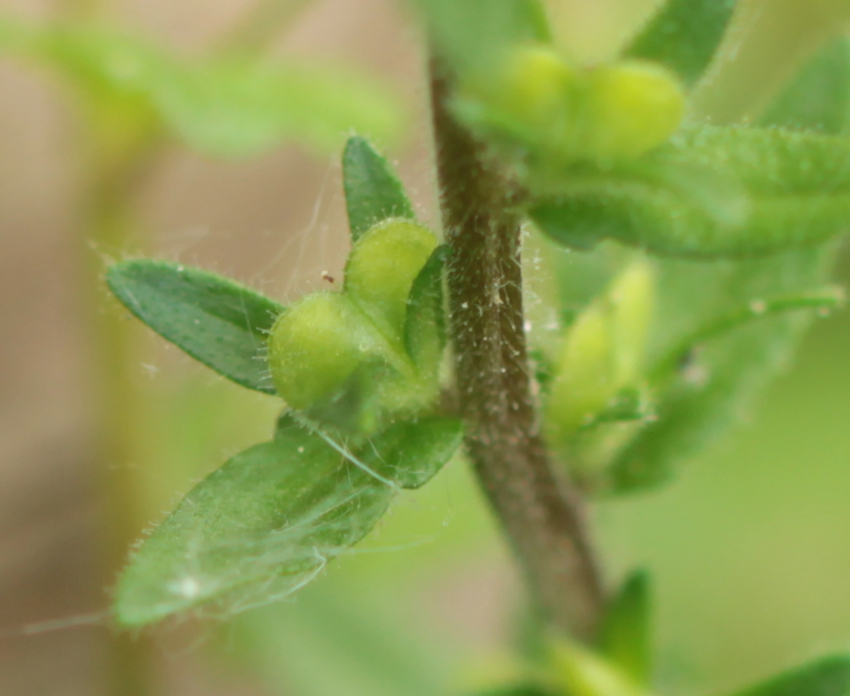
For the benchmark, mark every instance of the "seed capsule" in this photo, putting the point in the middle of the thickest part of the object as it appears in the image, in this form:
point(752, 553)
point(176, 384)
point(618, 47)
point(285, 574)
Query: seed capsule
point(315, 346)
point(382, 267)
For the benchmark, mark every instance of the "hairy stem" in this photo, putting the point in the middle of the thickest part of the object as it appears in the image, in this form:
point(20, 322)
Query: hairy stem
point(542, 515)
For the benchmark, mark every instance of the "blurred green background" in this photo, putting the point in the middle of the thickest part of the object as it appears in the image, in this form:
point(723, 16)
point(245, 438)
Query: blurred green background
point(749, 549)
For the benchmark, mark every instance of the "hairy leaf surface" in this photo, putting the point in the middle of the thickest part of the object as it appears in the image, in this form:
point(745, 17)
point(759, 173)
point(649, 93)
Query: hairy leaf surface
point(218, 322)
point(411, 453)
point(268, 521)
point(255, 530)
point(711, 193)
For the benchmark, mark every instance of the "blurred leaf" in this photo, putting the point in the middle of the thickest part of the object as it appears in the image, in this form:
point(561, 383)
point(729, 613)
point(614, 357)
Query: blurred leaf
point(827, 676)
point(373, 192)
point(239, 109)
point(625, 636)
point(255, 530)
point(218, 322)
point(411, 453)
point(684, 35)
point(225, 108)
point(424, 325)
point(819, 97)
point(711, 193)
point(717, 385)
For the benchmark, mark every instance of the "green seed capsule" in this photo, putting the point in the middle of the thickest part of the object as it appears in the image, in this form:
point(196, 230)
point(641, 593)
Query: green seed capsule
point(382, 267)
point(629, 108)
point(315, 346)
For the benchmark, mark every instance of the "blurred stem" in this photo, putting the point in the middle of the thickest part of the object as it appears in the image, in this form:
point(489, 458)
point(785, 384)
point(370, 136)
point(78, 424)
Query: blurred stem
point(542, 515)
point(108, 223)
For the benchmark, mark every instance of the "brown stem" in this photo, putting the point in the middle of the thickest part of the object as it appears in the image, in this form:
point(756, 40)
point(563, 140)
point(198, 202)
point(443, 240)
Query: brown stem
point(541, 514)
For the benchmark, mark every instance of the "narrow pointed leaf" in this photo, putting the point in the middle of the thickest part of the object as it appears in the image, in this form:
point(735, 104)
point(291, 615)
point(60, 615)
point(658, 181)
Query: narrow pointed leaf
point(424, 327)
point(625, 636)
point(412, 452)
point(828, 676)
point(218, 322)
point(684, 35)
point(255, 530)
point(712, 193)
point(372, 190)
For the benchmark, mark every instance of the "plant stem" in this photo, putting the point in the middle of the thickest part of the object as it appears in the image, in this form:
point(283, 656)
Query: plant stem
point(107, 221)
point(541, 514)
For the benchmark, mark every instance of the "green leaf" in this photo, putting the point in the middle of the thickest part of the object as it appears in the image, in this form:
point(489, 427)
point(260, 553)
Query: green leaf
point(625, 634)
point(411, 453)
point(256, 530)
point(819, 97)
point(424, 325)
point(223, 107)
point(711, 193)
point(373, 192)
point(218, 322)
point(827, 676)
point(713, 389)
point(684, 35)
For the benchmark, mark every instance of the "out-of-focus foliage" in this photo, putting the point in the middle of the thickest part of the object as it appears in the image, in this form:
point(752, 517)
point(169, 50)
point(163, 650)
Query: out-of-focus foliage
point(221, 106)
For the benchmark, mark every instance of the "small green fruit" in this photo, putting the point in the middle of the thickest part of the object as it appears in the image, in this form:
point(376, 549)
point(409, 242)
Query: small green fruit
point(382, 267)
point(629, 108)
point(315, 346)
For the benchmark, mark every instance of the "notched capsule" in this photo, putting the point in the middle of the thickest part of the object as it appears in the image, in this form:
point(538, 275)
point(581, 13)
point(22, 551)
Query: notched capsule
point(382, 267)
point(315, 346)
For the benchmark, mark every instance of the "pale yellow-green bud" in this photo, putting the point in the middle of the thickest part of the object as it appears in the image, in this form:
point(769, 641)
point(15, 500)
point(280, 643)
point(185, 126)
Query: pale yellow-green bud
point(603, 351)
point(629, 108)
